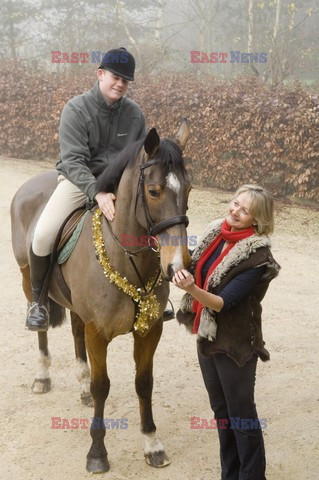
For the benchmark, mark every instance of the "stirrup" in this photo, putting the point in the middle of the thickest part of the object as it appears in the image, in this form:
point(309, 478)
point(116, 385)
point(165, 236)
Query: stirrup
point(41, 320)
point(169, 313)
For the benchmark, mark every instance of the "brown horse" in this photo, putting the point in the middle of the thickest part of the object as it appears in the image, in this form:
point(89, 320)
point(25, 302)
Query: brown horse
point(152, 187)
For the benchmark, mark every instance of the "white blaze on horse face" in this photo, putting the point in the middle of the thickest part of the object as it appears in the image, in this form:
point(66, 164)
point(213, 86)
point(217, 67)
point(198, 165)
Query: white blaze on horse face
point(172, 182)
point(152, 444)
point(177, 262)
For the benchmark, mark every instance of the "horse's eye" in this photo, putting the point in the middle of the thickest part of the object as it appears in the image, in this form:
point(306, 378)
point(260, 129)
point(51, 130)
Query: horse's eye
point(153, 193)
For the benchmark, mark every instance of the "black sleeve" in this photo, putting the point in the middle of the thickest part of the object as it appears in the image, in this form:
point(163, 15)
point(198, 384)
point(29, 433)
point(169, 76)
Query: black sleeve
point(240, 286)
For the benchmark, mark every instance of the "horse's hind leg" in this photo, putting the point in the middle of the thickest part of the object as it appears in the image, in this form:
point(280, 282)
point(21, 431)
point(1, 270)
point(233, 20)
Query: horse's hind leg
point(144, 349)
point(82, 369)
point(42, 381)
point(100, 385)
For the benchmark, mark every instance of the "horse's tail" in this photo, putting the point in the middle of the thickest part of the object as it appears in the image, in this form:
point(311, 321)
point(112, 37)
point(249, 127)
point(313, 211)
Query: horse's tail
point(57, 314)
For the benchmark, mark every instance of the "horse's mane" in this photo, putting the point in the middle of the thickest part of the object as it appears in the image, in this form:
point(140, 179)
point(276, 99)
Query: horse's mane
point(169, 156)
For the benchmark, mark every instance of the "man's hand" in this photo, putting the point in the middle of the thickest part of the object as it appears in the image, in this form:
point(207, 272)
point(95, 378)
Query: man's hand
point(105, 202)
point(183, 279)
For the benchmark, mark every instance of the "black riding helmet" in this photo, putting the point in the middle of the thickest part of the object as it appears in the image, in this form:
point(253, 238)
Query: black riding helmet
point(120, 62)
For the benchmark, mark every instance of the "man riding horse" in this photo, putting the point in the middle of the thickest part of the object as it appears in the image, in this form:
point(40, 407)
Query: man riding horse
point(94, 128)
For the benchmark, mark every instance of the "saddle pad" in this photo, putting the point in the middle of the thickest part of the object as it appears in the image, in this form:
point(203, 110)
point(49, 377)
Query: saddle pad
point(67, 249)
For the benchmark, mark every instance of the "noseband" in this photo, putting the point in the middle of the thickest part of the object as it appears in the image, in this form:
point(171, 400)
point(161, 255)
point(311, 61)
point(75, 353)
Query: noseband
point(153, 228)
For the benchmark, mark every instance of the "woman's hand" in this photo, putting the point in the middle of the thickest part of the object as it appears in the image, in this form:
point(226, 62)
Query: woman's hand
point(184, 280)
point(105, 202)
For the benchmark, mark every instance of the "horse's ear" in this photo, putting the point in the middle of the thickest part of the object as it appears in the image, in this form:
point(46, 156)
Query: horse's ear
point(151, 142)
point(183, 134)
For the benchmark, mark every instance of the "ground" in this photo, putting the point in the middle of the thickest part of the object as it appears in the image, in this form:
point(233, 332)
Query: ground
point(286, 388)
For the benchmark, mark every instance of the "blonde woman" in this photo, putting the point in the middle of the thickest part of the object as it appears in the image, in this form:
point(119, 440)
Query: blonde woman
point(229, 275)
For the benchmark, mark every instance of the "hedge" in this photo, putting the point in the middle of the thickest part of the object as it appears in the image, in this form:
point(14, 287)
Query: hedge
point(242, 130)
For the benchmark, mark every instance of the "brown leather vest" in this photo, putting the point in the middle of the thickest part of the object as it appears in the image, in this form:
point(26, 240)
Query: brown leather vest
point(239, 332)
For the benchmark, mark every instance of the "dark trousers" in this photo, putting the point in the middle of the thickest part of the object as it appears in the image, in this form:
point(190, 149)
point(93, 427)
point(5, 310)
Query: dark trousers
point(231, 394)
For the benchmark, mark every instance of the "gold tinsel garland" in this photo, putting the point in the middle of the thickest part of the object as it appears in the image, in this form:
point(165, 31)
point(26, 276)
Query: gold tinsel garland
point(148, 306)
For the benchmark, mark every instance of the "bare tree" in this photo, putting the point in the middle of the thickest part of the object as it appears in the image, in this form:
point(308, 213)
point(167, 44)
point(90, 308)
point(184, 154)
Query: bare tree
point(250, 25)
point(13, 15)
point(159, 22)
point(125, 23)
point(277, 19)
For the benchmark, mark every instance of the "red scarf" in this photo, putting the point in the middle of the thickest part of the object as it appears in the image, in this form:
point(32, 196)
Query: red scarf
point(229, 236)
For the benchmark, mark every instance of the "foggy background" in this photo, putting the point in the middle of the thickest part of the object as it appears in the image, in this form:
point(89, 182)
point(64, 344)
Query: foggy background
point(161, 34)
point(255, 122)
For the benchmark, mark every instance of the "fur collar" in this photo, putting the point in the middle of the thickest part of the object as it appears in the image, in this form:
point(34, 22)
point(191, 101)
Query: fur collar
point(241, 251)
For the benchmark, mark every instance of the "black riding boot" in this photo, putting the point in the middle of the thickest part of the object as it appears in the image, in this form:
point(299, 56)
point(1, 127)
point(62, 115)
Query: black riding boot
point(38, 314)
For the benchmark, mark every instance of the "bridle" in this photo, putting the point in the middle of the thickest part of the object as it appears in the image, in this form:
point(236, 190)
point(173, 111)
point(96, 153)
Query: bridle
point(152, 228)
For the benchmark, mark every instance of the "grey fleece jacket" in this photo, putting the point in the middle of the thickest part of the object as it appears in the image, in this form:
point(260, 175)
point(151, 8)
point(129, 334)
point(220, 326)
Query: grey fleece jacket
point(92, 134)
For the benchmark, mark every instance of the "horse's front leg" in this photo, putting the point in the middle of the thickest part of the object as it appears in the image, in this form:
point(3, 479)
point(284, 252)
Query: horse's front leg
point(144, 349)
point(82, 368)
point(42, 381)
point(100, 385)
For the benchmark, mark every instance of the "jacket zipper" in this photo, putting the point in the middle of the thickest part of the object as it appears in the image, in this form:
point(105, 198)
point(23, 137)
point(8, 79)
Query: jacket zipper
point(110, 127)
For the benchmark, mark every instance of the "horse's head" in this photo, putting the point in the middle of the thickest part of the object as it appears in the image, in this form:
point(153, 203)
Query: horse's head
point(162, 204)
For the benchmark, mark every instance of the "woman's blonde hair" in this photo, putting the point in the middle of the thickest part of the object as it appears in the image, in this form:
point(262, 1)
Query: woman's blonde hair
point(262, 208)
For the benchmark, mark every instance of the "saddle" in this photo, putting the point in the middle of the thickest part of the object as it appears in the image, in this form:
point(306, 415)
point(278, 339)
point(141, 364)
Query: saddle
point(70, 235)
point(66, 240)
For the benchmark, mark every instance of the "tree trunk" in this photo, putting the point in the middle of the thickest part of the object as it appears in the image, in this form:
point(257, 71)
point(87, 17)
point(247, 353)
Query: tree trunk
point(274, 51)
point(276, 26)
point(159, 22)
point(12, 35)
point(122, 18)
point(202, 28)
point(250, 25)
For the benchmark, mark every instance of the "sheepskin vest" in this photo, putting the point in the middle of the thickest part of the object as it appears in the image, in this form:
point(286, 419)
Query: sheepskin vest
point(239, 332)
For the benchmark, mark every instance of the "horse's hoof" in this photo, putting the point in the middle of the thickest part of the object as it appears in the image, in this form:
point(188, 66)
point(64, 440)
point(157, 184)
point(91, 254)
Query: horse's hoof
point(157, 459)
point(97, 465)
point(87, 400)
point(41, 385)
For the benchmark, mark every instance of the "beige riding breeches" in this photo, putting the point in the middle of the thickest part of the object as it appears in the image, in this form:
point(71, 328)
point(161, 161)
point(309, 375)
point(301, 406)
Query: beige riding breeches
point(65, 198)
